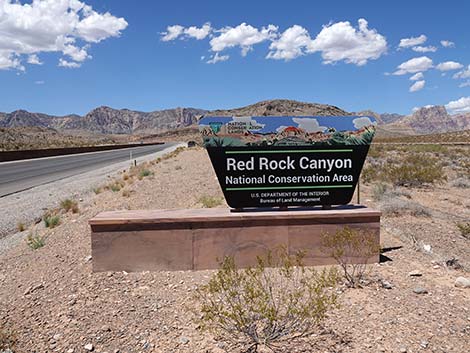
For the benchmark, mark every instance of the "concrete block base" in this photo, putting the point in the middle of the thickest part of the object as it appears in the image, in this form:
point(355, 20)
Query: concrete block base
point(194, 239)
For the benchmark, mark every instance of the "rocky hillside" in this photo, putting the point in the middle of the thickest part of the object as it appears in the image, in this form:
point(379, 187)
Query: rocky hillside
point(106, 120)
point(279, 107)
point(435, 119)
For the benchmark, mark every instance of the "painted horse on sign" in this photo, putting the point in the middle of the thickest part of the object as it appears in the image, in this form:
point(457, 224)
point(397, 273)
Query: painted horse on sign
point(267, 161)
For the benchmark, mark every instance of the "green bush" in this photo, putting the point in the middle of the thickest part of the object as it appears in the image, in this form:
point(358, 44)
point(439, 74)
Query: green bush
point(35, 241)
point(276, 301)
point(352, 249)
point(369, 174)
point(145, 173)
point(416, 170)
point(51, 221)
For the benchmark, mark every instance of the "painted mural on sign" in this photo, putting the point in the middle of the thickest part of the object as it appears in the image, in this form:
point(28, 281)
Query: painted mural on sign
point(287, 130)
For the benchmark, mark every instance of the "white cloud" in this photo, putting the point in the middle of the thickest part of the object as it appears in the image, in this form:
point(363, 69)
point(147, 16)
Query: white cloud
point(217, 58)
point(199, 33)
point(449, 65)
point(172, 33)
point(447, 44)
point(51, 26)
point(340, 41)
point(244, 36)
point(413, 41)
point(177, 31)
point(461, 105)
point(416, 77)
point(421, 49)
point(33, 59)
point(417, 86)
point(39, 82)
point(465, 84)
point(463, 74)
point(362, 122)
point(420, 64)
point(291, 44)
point(336, 41)
point(69, 64)
point(309, 124)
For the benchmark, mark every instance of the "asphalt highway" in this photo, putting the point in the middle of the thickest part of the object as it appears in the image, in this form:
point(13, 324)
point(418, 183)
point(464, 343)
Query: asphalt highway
point(25, 174)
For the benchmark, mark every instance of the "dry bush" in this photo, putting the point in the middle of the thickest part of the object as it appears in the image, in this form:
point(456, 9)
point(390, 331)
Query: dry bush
point(275, 302)
point(210, 201)
point(126, 193)
point(144, 173)
point(35, 241)
point(415, 170)
point(116, 186)
point(399, 207)
point(7, 340)
point(98, 190)
point(21, 227)
point(464, 229)
point(370, 173)
point(352, 249)
point(69, 205)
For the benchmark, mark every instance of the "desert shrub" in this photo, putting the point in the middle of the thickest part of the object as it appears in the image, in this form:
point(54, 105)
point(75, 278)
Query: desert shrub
point(116, 186)
point(7, 339)
point(414, 170)
point(399, 207)
point(210, 201)
point(370, 173)
point(35, 241)
point(126, 193)
point(351, 249)
point(464, 229)
point(51, 221)
point(97, 190)
point(428, 148)
point(379, 190)
point(462, 183)
point(277, 301)
point(21, 226)
point(125, 176)
point(144, 173)
point(69, 205)
point(376, 151)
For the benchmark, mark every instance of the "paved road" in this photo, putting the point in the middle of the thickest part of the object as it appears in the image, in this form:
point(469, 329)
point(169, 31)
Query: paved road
point(22, 175)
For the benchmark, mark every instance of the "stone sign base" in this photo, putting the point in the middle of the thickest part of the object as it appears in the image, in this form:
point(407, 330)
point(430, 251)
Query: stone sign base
point(194, 239)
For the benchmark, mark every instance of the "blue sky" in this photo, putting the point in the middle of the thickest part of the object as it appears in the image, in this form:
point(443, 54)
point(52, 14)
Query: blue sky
point(124, 63)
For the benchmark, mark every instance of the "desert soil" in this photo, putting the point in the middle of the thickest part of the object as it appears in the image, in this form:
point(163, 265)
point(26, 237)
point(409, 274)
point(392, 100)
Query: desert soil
point(53, 302)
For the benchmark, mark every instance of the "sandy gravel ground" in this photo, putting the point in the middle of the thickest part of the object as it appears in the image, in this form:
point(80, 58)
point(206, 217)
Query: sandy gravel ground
point(54, 303)
point(29, 205)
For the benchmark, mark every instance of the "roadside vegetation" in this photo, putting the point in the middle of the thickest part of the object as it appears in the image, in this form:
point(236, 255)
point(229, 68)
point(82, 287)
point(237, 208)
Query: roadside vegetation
point(35, 241)
point(210, 201)
point(275, 302)
point(69, 205)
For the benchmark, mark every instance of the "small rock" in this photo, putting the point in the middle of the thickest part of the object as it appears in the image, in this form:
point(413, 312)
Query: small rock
point(403, 350)
point(436, 267)
point(420, 290)
point(184, 340)
point(415, 273)
point(89, 347)
point(88, 258)
point(424, 343)
point(387, 285)
point(462, 282)
point(70, 350)
point(427, 248)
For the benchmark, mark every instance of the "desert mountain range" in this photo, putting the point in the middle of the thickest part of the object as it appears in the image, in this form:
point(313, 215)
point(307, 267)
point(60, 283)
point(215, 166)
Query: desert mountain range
point(106, 120)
